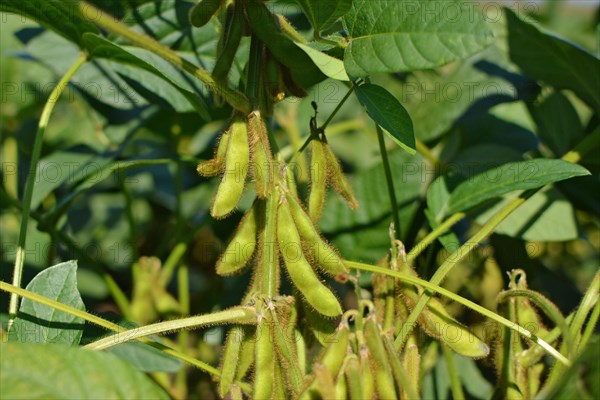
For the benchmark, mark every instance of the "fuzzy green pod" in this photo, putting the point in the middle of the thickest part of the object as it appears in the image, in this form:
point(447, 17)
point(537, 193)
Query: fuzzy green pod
point(353, 378)
point(246, 354)
point(267, 269)
point(241, 247)
point(366, 375)
point(316, 248)
point(299, 270)
point(264, 370)
point(236, 168)
point(203, 11)
point(260, 152)
point(318, 180)
point(230, 360)
point(338, 179)
point(216, 165)
point(382, 372)
point(333, 355)
point(324, 380)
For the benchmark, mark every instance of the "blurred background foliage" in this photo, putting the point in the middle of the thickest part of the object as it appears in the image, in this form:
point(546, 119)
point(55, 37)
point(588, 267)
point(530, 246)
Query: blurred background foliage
point(98, 201)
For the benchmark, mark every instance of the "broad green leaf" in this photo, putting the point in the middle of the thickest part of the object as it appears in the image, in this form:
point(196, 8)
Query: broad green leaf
point(49, 371)
point(40, 323)
point(60, 16)
point(388, 113)
point(521, 175)
point(558, 124)
point(323, 14)
point(547, 216)
point(553, 60)
point(472, 378)
point(102, 48)
point(405, 35)
point(330, 66)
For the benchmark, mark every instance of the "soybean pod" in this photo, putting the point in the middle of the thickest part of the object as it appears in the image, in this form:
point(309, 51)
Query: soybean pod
point(241, 247)
point(338, 179)
point(216, 165)
point(318, 180)
point(236, 168)
point(316, 248)
point(299, 270)
point(264, 371)
point(260, 151)
point(230, 360)
point(382, 372)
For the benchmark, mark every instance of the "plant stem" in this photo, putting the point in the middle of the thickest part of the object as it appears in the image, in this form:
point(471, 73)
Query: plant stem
point(433, 235)
point(456, 257)
point(236, 315)
point(129, 214)
point(183, 336)
point(428, 154)
point(389, 181)
point(465, 302)
point(337, 108)
point(455, 385)
point(171, 263)
point(98, 17)
point(31, 178)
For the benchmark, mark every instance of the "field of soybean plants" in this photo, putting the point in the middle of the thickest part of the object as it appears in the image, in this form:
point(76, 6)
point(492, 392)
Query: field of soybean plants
point(299, 199)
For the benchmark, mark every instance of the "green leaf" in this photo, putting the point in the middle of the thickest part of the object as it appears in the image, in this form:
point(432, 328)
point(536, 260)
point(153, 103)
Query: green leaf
point(40, 323)
point(404, 35)
point(388, 113)
point(323, 14)
point(547, 217)
point(330, 66)
point(60, 16)
point(512, 176)
point(99, 47)
point(36, 371)
point(553, 60)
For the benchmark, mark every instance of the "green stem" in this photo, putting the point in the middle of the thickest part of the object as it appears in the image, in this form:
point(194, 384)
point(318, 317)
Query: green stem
point(545, 305)
point(455, 258)
point(172, 261)
point(337, 108)
point(183, 336)
point(98, 17)
point(589, 328)
point(455, 385)
point(433, 288)
point(389, 181)
point(432, 236)
point(31, 179)
point(236, 315)
point(129, 214)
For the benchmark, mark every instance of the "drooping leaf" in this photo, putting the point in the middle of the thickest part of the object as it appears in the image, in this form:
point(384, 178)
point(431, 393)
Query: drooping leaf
point(404, 35)
point(509, 177)
point(553, 60)
point(263, 24)
point(330, 66)
point(39, 323)
point(323, 14)
point(49, 371)
point(63, 17)
point(388, 113)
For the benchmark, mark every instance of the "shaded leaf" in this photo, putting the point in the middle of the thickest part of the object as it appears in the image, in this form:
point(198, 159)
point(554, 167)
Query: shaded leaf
point(146, 358)
point(388, 113)
point(60, 372)
point(63, 17)
point(553, 60)
point(323, 14)
point(509, 177)
point(40, 323)
point(404, 35)
point(547, 216)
